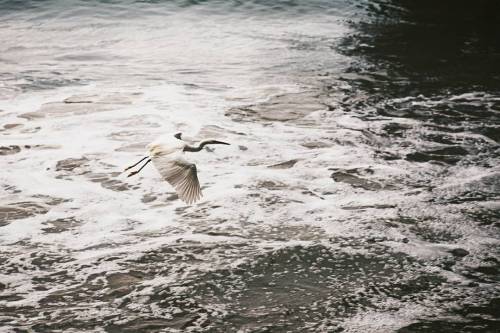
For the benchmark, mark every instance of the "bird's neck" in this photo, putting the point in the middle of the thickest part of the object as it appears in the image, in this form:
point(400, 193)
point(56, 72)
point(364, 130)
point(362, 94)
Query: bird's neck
point(194, 149)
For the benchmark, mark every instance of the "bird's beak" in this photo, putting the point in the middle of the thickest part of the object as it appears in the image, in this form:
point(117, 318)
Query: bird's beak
point(220, 142)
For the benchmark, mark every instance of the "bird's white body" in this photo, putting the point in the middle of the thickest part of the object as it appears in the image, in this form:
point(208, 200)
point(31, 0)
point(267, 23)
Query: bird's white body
point(167, 155)
point(165, 145)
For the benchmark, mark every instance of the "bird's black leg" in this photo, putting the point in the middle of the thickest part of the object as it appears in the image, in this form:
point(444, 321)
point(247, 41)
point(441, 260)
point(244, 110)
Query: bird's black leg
point(130, 167)
point(142, 167)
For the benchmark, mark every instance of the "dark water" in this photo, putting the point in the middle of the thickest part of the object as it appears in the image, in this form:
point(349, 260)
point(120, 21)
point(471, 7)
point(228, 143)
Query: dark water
point(412, 60)
point(362, 194)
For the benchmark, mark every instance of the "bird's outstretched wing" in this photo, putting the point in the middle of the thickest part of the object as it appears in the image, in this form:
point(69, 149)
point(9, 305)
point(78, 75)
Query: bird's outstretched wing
point(182, 175)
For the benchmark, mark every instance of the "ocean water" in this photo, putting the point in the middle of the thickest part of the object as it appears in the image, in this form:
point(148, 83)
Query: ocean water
point(360, 192)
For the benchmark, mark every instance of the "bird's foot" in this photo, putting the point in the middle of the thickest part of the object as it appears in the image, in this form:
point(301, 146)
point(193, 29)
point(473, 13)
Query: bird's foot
point(132, 173)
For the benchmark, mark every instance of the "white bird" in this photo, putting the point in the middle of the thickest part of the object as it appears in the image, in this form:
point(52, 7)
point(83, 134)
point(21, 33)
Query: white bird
point(167, 156)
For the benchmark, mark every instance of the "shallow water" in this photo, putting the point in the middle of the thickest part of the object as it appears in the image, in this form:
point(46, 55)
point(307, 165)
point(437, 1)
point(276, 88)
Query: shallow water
point(360, 192)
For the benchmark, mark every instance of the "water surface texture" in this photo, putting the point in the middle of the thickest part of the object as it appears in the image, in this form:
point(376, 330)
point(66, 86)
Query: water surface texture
point(360, 192)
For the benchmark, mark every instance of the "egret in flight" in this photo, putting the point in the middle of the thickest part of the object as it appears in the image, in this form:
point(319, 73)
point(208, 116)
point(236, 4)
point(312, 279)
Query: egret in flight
point(167, 156)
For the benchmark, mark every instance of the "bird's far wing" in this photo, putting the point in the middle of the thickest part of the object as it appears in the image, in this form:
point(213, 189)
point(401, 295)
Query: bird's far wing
point(182, 175)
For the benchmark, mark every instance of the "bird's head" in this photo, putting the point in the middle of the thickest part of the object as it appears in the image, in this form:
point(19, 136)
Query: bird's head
point(178, 136)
